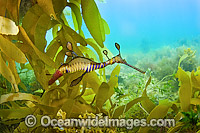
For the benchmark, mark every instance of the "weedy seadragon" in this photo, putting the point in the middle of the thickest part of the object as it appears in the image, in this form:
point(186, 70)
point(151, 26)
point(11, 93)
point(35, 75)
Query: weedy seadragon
point(87, 65)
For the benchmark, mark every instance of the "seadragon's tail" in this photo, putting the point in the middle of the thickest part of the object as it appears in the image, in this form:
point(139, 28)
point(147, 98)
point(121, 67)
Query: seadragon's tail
point(55, 76)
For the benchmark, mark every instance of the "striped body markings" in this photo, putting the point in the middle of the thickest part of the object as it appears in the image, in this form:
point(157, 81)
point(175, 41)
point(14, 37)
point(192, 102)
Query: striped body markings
point(82, 64)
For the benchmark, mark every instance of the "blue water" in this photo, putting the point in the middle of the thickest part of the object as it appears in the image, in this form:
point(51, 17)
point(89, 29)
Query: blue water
point(143, 25)
point(149, 24)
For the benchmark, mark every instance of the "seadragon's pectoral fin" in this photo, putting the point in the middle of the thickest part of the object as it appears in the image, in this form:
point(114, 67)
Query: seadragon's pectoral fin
point(77, 80)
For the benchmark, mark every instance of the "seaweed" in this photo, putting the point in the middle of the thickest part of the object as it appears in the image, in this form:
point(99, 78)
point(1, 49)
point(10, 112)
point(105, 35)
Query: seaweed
point(23, 40)
point(186, 106)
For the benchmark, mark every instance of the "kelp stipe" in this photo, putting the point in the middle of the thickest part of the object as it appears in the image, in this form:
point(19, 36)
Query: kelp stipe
point(87, 65)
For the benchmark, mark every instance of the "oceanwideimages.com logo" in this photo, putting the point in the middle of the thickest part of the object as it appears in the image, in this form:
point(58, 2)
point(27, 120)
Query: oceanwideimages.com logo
point(46, 121)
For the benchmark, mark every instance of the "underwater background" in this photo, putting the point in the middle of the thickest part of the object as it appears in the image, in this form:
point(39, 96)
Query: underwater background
point(160, 37)
point(150, 31)
point(144, 25)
